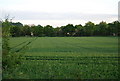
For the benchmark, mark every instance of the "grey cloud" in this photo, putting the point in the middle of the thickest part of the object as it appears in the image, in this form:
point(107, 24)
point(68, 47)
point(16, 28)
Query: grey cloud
point(60, 16)
point(119, 11)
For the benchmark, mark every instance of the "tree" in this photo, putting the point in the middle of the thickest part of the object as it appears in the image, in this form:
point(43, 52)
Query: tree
point(48, 31)
point(5, 37)
point(58, 31)
point(79, 30)
point(18, 24)
point(103, 28)
point(89, 28)
point(9, 59)
point(26, 31)
point(15, 31)
point(116, 29)
point(68, 30)
point(37, 30)
point(16, 28)
point(96, 30)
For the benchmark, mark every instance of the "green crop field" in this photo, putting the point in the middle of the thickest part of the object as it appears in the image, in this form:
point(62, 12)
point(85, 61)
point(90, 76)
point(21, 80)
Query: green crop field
point(65, 58)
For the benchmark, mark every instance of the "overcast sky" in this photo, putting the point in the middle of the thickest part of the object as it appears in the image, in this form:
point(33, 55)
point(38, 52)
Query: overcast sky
point(59, 12)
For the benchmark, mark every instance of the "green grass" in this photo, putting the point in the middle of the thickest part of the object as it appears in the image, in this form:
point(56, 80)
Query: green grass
point(66, 58)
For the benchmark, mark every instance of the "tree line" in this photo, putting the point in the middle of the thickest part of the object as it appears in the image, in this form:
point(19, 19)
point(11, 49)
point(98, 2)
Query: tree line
point(89, 29)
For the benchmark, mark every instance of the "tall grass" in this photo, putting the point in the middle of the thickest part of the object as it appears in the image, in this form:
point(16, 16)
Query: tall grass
point(67, 58)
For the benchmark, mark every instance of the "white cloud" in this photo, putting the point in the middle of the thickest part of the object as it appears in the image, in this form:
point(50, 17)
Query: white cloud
point(85, 6)
point(60, 12)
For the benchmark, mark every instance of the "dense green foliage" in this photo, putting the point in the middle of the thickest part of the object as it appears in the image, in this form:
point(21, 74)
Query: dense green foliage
point(9, 59)
point(90, 29)
point(65, 58)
